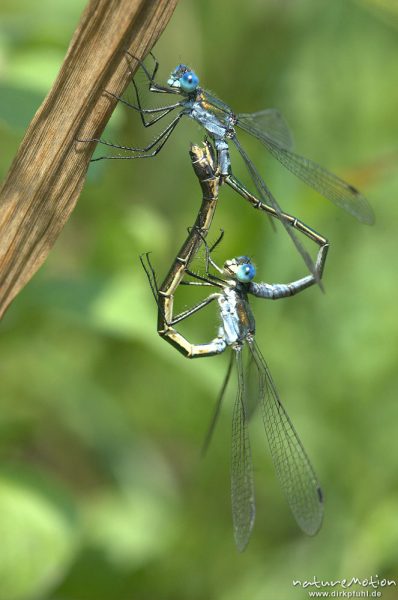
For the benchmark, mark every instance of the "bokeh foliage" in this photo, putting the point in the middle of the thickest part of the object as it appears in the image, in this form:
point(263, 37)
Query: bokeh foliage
point(102, 492)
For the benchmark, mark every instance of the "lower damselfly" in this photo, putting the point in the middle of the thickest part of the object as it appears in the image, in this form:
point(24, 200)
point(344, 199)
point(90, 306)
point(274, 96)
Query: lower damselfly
point(222, 125)
point(234, 283)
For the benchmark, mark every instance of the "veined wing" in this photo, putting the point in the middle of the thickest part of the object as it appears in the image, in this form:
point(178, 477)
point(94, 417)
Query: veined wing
point(242, 486)
point(217, 103)
point(266, 197)
point(293, 468)
point(336, 190)
point(217, 407)
point(269, 121)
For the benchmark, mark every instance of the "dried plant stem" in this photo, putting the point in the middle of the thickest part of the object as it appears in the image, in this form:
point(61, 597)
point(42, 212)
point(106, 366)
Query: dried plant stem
point(47, 174)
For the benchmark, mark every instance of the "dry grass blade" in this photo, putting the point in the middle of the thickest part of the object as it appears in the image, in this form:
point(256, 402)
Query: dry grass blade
point(47, 175)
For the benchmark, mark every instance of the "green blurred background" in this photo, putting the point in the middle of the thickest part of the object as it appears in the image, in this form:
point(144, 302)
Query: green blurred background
point(103, 495)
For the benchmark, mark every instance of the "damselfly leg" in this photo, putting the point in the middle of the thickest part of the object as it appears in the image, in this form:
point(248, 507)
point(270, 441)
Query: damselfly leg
point(158, 112)
point(157, 144)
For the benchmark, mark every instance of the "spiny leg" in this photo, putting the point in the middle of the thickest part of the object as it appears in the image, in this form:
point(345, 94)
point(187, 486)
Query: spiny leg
point(218, 241)
point(156, 292)
point(209, 279)
point(150, 273)
point(153, 86)
point(144, 111)
point(209, 260)
point(150, 77)
point(194, 309)
point(141, 152)
point(163, 110)
point(152, 279)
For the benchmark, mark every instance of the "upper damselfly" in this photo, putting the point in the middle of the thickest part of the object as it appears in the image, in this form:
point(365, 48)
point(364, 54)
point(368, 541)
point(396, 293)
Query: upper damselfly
point(222, 126)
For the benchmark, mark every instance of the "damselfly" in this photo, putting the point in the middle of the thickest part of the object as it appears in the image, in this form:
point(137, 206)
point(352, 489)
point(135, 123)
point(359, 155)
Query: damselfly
point(222, 125)
point(235, 283)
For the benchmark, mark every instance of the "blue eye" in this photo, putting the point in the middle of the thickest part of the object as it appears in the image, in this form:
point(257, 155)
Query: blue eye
point(245, 273)
point(189, 81)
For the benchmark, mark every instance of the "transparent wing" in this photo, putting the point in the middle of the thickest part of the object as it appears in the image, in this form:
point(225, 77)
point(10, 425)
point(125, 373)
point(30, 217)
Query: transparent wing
point(216, 102)
point(293, 468)
point(242, 486)
point(251, 388)
point(217, 407)
point(271, 122)
point(333, 188)
point(267, 197)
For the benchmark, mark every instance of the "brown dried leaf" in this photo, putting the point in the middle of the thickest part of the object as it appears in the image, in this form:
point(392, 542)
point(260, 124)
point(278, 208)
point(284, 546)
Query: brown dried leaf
point(48, 172)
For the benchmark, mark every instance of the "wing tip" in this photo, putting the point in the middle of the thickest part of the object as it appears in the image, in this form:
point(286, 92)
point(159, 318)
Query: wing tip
point(368, 217)
point(242, 535)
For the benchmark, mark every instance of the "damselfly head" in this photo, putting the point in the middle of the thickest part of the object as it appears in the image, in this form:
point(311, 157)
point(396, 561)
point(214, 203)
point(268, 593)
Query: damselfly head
point(183, 78)
point(241, 269)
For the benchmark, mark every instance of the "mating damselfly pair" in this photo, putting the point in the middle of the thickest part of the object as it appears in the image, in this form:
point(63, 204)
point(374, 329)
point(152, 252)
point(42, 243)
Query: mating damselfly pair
point(234, 281)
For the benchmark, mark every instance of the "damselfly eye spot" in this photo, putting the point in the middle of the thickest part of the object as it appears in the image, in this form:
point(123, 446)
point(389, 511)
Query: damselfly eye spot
point(189, 81)
point(245, 273)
